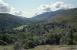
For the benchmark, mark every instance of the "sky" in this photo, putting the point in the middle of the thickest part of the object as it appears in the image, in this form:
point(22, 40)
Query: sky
point(29, 8)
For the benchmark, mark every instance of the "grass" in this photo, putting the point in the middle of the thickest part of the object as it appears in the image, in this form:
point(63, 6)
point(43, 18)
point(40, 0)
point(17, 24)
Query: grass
point(55, 47)
point(44, 47)
point(9, 47)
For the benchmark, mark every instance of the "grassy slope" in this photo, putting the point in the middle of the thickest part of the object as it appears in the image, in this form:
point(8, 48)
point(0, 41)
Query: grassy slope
point(53, 47)
point(9, 47)
point(43, 47)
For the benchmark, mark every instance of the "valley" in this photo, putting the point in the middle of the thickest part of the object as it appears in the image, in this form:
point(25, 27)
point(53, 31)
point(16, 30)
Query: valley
point(48, 31)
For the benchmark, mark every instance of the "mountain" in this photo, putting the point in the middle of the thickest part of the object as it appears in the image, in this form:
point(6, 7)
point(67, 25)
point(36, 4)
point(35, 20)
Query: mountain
point(9, 21)
point(43, 16)
point(50, 15)
point(48, 21)
point(55, 28)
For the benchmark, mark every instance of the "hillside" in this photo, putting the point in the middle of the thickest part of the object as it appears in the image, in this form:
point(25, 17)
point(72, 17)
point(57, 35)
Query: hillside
point(55, 14)
point(9, 21)
point(60, 29)
point(57, 29)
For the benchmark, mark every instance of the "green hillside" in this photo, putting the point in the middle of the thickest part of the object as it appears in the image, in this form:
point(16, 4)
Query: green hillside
point(9, 21)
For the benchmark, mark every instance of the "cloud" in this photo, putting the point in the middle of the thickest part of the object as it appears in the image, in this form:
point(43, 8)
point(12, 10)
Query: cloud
point(59, 5)
point(52, 7)
point(6, 8)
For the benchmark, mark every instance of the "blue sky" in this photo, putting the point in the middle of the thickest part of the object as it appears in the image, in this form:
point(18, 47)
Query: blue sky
point(29, 6)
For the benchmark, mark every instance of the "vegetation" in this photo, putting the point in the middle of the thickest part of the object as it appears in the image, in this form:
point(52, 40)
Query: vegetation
point(59, 30)
point(9, 47)
point(54, 47)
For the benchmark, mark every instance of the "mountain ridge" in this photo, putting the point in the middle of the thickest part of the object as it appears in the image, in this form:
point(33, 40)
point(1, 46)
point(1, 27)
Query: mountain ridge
point(47, 15)
point(8, 20)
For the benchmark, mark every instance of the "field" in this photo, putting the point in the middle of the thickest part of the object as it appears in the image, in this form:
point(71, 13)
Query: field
point(44, 47)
